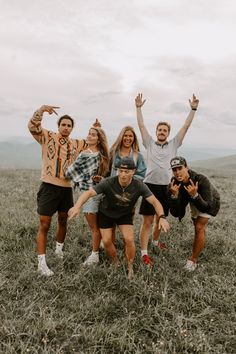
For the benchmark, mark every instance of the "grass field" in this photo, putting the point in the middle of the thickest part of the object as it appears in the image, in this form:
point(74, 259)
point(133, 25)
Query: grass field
point(97, 310)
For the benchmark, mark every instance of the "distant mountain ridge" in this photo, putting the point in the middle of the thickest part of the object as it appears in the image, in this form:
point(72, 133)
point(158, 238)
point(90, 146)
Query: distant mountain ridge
point(225, 164)
point(22, 152)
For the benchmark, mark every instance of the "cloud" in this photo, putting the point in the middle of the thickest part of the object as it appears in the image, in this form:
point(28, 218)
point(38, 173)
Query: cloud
point(92, 58)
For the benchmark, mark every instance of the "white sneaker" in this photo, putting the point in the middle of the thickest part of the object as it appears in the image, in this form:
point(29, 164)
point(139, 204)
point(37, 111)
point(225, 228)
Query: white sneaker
point(59, 253)
point(44, 270)
point(92, 259)
point(190, 266)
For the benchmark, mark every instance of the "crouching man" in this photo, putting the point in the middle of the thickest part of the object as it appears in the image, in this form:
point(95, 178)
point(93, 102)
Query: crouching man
point(190, 187)
point(117, 208)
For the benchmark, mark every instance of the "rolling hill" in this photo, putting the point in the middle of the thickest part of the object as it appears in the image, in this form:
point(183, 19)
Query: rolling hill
point(25, 153)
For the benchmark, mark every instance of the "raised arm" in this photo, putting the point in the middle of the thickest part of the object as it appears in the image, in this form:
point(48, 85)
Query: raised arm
point(34, 124)
point(139, 102)
point(193, 105)
point(75, 210)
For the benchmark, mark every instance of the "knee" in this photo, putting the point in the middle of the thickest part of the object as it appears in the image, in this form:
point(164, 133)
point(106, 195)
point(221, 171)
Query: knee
point(44, 225)
point(147, 223)
point(107, 242)
point(94, 229)
point(62, 221)
point(129, 241)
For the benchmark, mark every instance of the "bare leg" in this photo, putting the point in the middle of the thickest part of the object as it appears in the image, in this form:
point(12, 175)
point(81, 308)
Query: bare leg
point(96, 235)
point(156, 235)
point(128, 234)
point(145, 230)
point(61, 226)
point(109, 245)
point(199, 238)
point(45, 222)
point(114, 235)
point(156, 230)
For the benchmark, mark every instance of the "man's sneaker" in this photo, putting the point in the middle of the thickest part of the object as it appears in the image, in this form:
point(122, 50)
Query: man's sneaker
point(162, 246)
point(59, 253)
point(147, 260)
point(190, 266)
point(92, 259)
point(44, 270)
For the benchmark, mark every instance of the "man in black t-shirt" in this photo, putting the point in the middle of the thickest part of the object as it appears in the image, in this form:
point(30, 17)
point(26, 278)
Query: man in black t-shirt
point(117, 208)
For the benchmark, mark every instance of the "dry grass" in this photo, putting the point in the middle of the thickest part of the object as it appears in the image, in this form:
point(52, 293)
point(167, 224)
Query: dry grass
point(98, 310)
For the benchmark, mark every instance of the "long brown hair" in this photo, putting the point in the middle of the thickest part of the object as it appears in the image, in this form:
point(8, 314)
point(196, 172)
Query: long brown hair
point(104, 151)
point(117, 144)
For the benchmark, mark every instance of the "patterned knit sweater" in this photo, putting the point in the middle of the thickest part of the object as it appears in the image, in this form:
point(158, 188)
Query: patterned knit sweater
point(57, 152)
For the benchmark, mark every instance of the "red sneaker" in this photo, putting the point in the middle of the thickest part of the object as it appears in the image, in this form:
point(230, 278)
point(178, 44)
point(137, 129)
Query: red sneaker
point(162, 246)
point(147, 260)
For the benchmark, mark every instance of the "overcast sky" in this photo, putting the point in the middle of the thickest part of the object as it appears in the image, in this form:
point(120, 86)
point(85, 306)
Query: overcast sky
point(92, 57)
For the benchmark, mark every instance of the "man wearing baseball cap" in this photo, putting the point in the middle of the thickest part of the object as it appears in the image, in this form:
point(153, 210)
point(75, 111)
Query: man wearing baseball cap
point(189, 187)
point(121, 193)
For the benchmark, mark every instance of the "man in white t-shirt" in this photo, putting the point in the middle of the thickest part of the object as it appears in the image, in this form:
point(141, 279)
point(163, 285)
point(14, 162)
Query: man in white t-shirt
point(159, 154)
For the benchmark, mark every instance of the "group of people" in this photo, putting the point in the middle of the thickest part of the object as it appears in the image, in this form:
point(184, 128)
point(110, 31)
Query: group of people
point(112, 180)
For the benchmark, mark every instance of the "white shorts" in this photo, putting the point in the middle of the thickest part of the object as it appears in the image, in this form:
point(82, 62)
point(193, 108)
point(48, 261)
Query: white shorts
point(195, 212)
point(91, 206)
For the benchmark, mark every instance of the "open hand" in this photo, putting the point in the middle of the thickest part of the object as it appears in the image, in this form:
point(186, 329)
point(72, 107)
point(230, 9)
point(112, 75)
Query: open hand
point(73, 212)
point(163, 224)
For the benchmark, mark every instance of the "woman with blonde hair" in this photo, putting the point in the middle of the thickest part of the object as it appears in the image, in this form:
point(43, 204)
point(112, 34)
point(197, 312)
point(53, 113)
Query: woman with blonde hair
point(127, 144)
point(89, 168)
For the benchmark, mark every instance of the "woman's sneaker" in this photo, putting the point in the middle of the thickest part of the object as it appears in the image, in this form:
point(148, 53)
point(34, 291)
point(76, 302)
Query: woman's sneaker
point(44, 270)
point(190, 265)
point(59, 253)
point(92, 259)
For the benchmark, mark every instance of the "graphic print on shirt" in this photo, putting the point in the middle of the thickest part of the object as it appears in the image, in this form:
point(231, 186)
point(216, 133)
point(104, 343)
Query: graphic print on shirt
point(123, 199)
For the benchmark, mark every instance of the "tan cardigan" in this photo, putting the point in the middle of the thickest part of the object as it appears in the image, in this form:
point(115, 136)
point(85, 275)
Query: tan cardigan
point(57, 152)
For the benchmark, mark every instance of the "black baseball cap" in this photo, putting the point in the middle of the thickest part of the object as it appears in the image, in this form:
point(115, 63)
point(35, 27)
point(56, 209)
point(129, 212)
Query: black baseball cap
point(127, 163)
point(178, 161)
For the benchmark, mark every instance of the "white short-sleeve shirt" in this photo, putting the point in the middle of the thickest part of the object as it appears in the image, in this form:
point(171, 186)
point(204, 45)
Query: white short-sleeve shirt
point(158, 160)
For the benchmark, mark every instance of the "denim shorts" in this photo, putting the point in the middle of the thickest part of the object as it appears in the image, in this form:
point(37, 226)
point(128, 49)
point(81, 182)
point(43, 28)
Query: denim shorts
point(91, 206)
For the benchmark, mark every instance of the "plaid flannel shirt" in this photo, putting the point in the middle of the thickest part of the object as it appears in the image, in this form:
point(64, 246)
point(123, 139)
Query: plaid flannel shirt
point(83, 169)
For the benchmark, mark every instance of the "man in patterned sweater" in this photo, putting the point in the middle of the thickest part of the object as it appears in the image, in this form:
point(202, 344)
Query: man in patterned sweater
point(55, 192)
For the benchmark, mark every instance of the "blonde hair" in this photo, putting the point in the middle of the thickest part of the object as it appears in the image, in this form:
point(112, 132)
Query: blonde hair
point(118, 142)
point(104, 151)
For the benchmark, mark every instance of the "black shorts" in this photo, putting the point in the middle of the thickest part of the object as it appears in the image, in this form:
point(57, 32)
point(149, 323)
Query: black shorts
point(51, 198)
point(106, 222)
point(160, 192)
